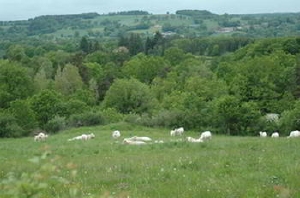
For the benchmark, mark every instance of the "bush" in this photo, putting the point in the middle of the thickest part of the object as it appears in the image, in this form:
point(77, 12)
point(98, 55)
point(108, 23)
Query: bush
point(164, 118)
point(111, 115)
point(24, 115)
point(9, 126)
point(132, 118)
point(86, 119)
point(56, 124)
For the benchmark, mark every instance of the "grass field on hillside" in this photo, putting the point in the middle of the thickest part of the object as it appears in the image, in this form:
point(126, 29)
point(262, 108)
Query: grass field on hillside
point(103, 167)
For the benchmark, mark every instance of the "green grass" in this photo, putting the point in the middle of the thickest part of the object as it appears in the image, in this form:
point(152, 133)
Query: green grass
point(102, 167)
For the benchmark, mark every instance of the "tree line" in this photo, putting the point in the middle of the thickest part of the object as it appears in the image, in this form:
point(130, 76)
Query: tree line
point(229, 86)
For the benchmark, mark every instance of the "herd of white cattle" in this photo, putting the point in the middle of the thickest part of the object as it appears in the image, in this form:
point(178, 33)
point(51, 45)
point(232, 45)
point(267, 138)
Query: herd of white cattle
point(293, 134)
point(142, 140)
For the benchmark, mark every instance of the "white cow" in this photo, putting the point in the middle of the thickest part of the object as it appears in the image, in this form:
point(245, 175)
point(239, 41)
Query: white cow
point(263, 134)
point(40, 137)
point(275, 135)
point(83, 137)
point(191, 139)
point(133, 142)
point(172, 133)
point(294, 134)
point(90, 136)
point(137, 138)
point(178, 131)
point(206, 135)
point(116, 134)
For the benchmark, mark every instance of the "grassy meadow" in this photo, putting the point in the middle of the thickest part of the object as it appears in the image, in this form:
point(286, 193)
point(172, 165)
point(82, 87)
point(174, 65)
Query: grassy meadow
point(103, 167)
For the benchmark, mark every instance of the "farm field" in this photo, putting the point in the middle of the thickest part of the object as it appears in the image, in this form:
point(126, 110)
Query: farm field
point(103, 167)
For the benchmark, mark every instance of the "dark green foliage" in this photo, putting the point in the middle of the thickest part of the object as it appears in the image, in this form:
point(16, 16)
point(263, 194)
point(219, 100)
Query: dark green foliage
point(129, 96)
point(24, 115)
point(84, 45)
point(290, 119)
point(111, 115)
point(74, 106)
point(47, 104)
point(85, 96)
point(204, 14)
point(9, 126)
point(134, 44)
point(145, 68)
point(55, 125)
point(86, 119)
point(211, 73)
point(131, 12)
point(15, 83)
point(48, 24)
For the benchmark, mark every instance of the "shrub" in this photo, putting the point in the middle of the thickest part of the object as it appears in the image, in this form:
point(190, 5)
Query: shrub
point(9, 126)
point(86, 119)
point(111, 115)
point(132, 118)
point(129, 95)
point(56, 124)
point(24, 115)
point(166, 118)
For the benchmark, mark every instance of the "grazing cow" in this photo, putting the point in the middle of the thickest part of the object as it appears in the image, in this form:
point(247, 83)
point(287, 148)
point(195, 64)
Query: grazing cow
point(206, 135)
point(172, 133)
point(275, 135)
point(263, 134)
point(178, 131)
point(294, 134)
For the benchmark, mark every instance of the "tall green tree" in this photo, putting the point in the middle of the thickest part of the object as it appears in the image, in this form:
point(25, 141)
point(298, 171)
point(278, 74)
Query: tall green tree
point(24, 115)
point(46, 105)
point(68, 80)
point(145, 68)
point(129, 96)
point(84, 45)
point(15, 83)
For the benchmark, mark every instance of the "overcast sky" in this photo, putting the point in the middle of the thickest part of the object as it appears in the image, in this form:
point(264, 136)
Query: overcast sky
point(25, 9)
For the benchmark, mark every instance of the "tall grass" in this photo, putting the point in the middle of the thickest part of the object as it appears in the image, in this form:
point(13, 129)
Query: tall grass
point(102, 167)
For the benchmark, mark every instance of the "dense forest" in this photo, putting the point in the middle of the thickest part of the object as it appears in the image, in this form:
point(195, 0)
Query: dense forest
point(231, 74)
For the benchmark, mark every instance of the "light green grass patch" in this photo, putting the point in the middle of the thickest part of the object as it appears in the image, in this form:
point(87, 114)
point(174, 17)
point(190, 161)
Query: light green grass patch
point(223, 167)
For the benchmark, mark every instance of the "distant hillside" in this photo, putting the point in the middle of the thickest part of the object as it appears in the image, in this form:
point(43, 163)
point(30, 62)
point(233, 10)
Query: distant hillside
point(185, 23)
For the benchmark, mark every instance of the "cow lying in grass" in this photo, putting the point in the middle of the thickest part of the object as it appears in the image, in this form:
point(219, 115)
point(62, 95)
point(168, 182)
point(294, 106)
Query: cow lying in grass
point(116, 134)
point(40, 137)
point(191, 139)
point(83, 137)
point(133, 142)
point(136, 140)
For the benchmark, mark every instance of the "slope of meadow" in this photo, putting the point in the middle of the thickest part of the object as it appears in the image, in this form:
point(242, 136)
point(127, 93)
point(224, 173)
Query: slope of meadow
point(102, 167)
